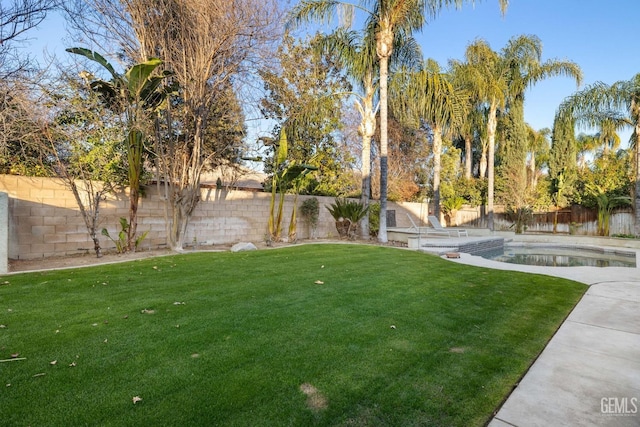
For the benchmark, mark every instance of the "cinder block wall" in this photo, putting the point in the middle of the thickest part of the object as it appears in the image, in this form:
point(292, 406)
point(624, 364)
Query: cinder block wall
point(44, 219)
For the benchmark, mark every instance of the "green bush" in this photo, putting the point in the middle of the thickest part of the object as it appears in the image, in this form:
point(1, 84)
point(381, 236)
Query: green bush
point(347, 214)
point(310, 211)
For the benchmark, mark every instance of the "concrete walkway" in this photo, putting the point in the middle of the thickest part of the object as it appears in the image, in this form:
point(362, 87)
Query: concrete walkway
point(589, 373)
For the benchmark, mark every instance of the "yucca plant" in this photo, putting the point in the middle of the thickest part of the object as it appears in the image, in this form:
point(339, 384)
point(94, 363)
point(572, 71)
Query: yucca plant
point(347, 214)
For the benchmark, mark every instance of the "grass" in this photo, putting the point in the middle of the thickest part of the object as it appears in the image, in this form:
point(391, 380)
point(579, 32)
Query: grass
point(390, 337)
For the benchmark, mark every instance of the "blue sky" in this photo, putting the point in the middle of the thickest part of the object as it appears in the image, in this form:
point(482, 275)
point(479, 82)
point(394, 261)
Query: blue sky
point(598, 35)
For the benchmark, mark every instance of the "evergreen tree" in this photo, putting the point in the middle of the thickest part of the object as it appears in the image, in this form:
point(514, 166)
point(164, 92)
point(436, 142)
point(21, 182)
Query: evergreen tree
point(301, 98)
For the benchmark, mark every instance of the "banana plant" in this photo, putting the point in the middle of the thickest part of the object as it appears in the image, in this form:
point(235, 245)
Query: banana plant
point(287, 174)
point(136, 94)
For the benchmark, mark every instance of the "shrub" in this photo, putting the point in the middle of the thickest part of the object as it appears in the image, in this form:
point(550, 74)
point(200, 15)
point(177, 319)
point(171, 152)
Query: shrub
point(310, 211)
point(347, 214)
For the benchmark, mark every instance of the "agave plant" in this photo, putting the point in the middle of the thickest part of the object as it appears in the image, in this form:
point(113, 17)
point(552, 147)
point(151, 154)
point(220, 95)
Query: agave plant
point(347, 214)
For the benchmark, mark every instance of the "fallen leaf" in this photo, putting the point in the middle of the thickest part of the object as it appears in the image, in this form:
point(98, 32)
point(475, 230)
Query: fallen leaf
point(94, 324)
point(105, 340)
point(57, 331)
point(145, 311)
point(14, 355)
point(136, 399)
point(53, 362)
point(178, 303)
point(3, 326)
point(319, 282)
point(41, 374)
point(393, 326)
point(72, 364)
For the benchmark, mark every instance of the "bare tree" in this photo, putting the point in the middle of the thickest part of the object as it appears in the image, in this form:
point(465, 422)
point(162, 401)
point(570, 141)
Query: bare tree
point(57, 127)
point(16, 18)
point(208, 46)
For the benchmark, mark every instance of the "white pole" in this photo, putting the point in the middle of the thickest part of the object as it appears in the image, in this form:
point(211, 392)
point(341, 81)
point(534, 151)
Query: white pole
point(4, 233)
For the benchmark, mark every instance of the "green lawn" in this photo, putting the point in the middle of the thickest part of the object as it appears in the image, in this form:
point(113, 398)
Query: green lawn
point(391, 337)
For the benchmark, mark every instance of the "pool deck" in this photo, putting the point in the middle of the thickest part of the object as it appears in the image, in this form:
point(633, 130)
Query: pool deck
point(589, 372)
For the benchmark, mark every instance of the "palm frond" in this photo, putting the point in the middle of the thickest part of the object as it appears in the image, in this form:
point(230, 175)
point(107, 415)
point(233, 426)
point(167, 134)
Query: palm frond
point(323, 11)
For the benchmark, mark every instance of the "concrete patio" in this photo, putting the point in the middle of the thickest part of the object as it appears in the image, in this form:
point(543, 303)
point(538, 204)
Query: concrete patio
point(589, 373)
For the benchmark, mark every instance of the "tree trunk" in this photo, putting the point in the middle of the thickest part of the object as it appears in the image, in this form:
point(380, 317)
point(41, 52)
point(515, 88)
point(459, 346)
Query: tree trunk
point(134, 197)
point(533, 171)
point(637, 186)
point(366, 183)
point(437, 167)
point(90, 214)
point(491, 134)
point(483, 162)
point(384, 42)
point(134, 157)
point(367, 130)
point(468, 157)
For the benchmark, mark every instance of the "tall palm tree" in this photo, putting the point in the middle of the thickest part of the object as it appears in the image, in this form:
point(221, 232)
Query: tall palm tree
point(429, 96)
point(523, 55)
point(585, 144)
point(499, 80)
point(471, 129)
point(537, 146)
point(388, 18)
point(608, 135)
point(618, 103)
point(487, 78)
point(356, 52)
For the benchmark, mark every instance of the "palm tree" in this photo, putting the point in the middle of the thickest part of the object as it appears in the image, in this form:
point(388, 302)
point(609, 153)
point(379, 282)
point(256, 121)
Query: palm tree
point(388, 17)
point(471, 129)
point(429, 96)
point(585, 144)
point(134, 94)
point(499, 80)
point(523, 56)
point(356, 53)
point(608, 135)
point(487, 78)
point(619, 104)
point(537, 146)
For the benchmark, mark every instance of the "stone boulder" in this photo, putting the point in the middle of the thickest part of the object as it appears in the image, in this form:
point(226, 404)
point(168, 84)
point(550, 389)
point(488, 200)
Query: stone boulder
point(243, 246)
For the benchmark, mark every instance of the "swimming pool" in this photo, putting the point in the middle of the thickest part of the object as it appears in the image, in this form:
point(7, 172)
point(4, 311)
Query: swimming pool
point(562, 256)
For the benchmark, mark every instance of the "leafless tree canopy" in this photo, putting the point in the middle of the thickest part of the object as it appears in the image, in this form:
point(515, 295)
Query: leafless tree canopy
point(208, 45)
point(16, 18)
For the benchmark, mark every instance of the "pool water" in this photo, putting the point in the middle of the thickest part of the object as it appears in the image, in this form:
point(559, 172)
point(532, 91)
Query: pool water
point(558, 256)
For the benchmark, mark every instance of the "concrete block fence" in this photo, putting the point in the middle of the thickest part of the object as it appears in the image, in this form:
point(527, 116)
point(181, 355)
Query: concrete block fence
point(43, 219)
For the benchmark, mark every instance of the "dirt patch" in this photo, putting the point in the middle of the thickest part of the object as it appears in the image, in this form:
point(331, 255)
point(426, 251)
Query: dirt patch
point(315, 400)
point(83, 260)
point(457, 350)
point(50, 263)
